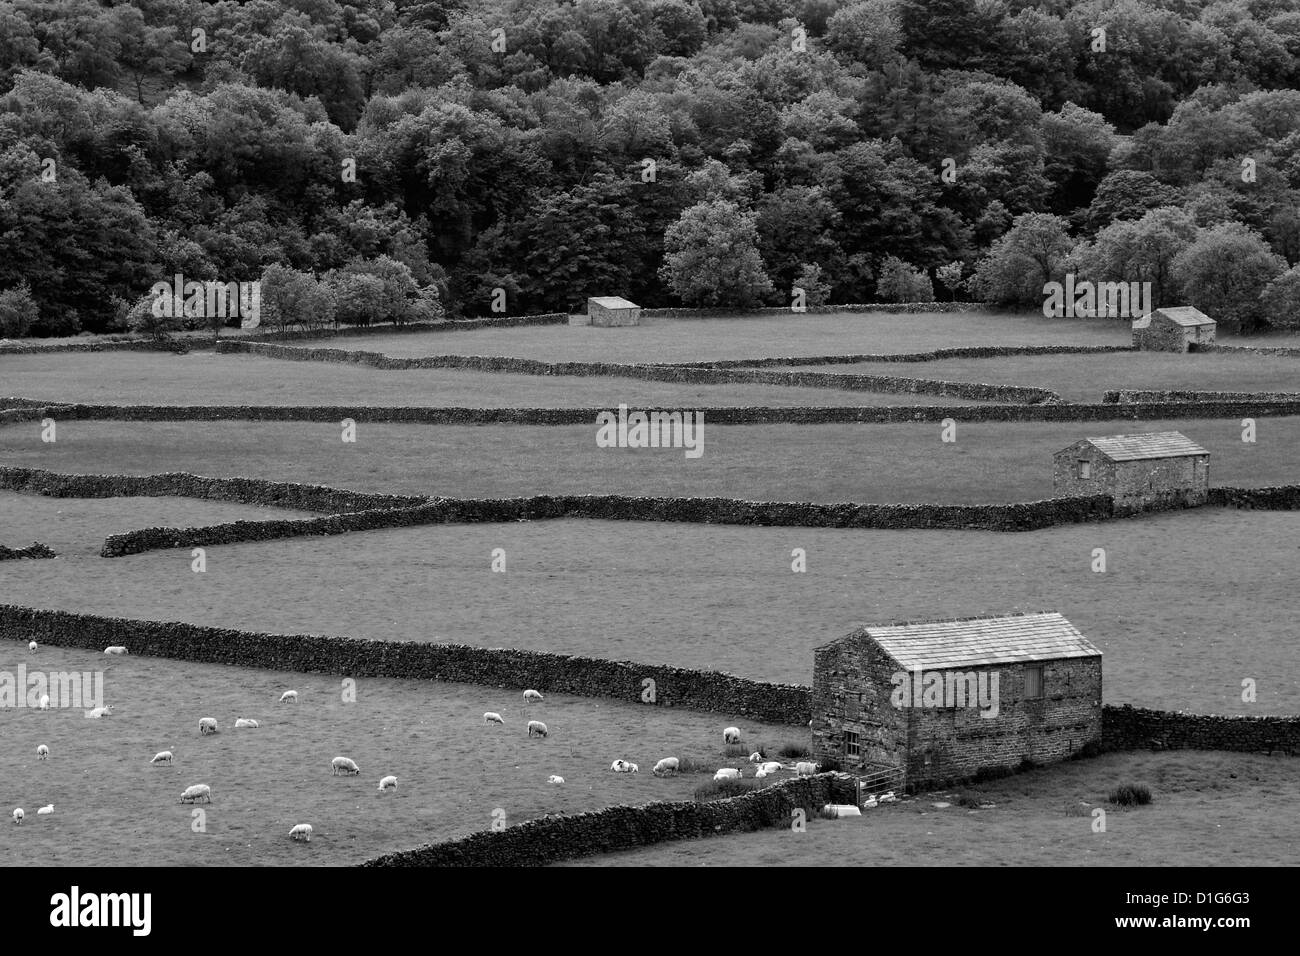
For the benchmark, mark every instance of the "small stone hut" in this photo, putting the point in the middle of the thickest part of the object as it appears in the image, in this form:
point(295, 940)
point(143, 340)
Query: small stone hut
point(941, 700)
point(1173, 330)
point(611, 310)
point(1156, 469)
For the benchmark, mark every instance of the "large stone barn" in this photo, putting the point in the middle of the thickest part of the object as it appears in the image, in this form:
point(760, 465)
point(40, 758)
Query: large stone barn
point(1157, 469)
point(611, 310)
point(1173, 330)
point(941, 700)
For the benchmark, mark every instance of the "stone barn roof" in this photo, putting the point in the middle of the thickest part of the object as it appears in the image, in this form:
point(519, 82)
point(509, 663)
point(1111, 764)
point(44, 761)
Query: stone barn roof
point(1149, 445)
point(980, 641)
point(1184, 315)
point(613, 302)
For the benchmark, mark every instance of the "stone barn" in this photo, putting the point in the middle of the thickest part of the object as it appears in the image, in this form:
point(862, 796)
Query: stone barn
point(1157, 469)
point(1173, 330)
point(941, 700)
point(611, 310)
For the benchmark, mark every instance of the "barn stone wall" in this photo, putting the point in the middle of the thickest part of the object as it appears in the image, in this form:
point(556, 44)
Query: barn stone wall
point(1162, 335)
point(1147, 484)
point(851, 688)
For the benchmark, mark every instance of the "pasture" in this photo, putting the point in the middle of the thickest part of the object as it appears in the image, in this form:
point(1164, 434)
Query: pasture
point(111, 807)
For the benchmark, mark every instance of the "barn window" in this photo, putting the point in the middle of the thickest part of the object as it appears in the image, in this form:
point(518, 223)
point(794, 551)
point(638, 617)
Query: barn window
point(1033, 683)
point(851, 746)
point(1085, 469)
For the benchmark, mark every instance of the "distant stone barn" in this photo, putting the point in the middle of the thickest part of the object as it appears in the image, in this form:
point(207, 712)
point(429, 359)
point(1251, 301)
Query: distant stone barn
point(611, 310)
point(1173, 330)
point(941, 700)
point(1156, 469)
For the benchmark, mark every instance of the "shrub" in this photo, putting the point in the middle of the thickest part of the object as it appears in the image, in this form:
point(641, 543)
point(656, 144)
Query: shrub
point(1079, 808)
point(1027, 763)
point(722, 789)
point(18, 312)
point(691, 765)
point(967, 801)
point(899, 282)
point(793, 750)
point(736, 750)
point(1131, 794)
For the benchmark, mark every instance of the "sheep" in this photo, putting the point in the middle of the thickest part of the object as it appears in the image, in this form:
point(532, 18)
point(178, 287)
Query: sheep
point(105, 711)
point(888, 797)
point(300, 832)
point(45, 702)
point(18, 815)
point(162, 756)
point(805, 769)
point(388, 783)
point(666, 766)
point(244, 722)
point(731, 735)
point(31, 645)
point(344, 765)
point(115, 649)
point(42, 752)
point(770, 766)
point(760, 773)
point(756, 757)
point(48, 808)
point(869, 802)
point(624, 766)
point(555, 778)
point(532, 695)
point(538, 728)
point(207, 725)
point(492, 718)
point(728, 773)
point(199, 790)
point(289, 695)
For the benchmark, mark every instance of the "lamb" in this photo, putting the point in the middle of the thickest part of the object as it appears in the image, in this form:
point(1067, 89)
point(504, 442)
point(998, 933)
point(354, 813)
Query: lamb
point(199, 790)
point(45, 702)
point(770, 766)
point(18, 815)
point(624, 766)
point(869, 802)
point(555, 778)
point(888, 797)
point(731, 735)
point(42, 752)
point(532, 695)
point(31, 645)
point(207, 725)
point(666, 766)
point(300, 832)
point(538, 728)
point(388, 783)
point(492, 718)
point(289, 695)
point(728, 773)
point(244, 722)
point(343, 765)
point(48, 808)
point(805, 769)
point(756, 757)
point(105, 711)
point(162, 756)
point(760, 773)
point(115, 649)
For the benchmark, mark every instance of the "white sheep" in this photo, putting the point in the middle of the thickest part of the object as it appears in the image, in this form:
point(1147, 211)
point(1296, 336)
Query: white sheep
point(731, 735)
point(770, 766)
point(538, 728)
point(666, 766)
point(18, 815)
point(45, 702)
point(343, 765)
point(98, 712)
point(207, 725)
point(624, 766)
point(289, 695)
point(244, 722)
point(388, 783)
point(532, 695)
point(888, 797)
point(841, 810)
point(555, 778)
point(300, 832)
point(760, 773)
point(42, 752)
point(805, 768)
point(869, 802)
point(199, 790)
point(162, 756)
point(728, 773)
point(756, 757)
point(115, 649)
point(492, 718)
point(48, 808)
point(31, 645)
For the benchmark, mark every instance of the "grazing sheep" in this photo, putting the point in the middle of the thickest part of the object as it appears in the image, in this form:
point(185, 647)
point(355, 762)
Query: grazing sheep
point(98, 712)
point(624, 766)
point(731, 735)
point(492, 718)
point(244, 722)
point(343, 765)
point(18, 815)
point(728, 773)
point(115, 649)
point(199, 790)
point(666, 766)
point(31, 645)
point(45, 702)
point(42, 752)
point(532, 695)
point(388, 783)
point(538, 728)
point(290, 695)
point(207, 725)
point(805, 769)
point(888, 797)
point(300, 832)
point(555, 778)
point(48, 808)
point(162, 756)
point(770, 766)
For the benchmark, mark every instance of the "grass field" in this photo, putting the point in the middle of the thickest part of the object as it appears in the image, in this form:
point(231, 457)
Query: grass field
point(112, 807)
point(1083, 378)
point(699, 340)
point(1190, 604)
point(992, 462)
point(206, 378)
point(1209, 809)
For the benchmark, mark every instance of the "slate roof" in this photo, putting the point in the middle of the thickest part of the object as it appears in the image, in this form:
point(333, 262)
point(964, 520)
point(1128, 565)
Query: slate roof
point(1149, 445)
point(613, 302)
point(1184, 315)
point(976, 642)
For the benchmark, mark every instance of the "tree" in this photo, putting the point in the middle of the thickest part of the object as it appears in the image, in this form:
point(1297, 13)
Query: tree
point(1280, 300)
point(1021, 263)
point(900, 282)
point(1139, 251)
point(816, 290)
point(866, 32)
point(1223, 272)
point(950, 276)
point(1128, 194)
point(295, 299)
point(18, 312)
point(711, 257)
point(681, 27)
